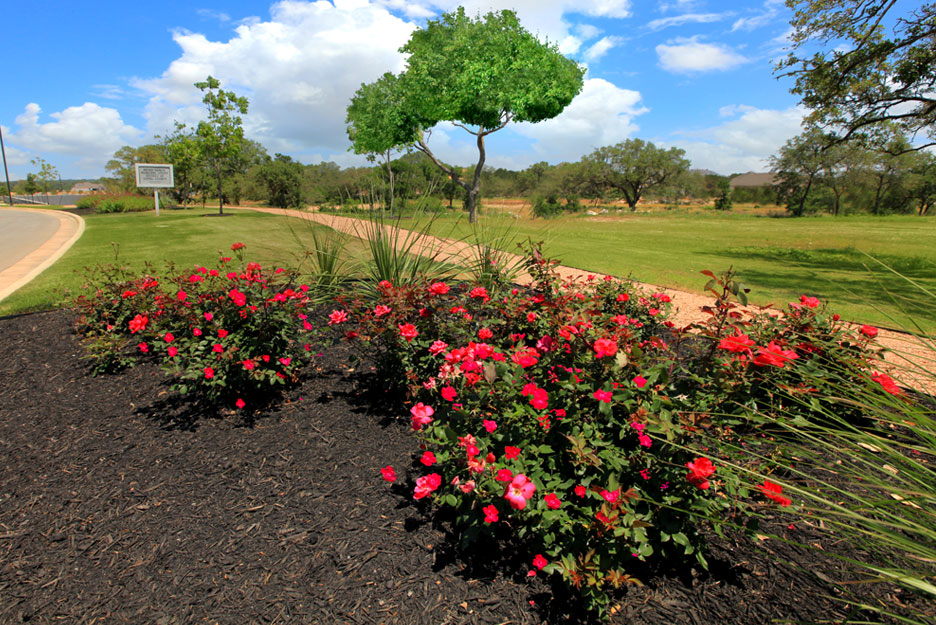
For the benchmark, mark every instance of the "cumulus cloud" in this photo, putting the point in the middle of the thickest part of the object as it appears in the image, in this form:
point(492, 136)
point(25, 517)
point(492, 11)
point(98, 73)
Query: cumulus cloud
point(744, 143)
point(602, 114)
point(686, 18)
point(683, 56)
point(91, 132)
point(299, 71)
point(300, 68)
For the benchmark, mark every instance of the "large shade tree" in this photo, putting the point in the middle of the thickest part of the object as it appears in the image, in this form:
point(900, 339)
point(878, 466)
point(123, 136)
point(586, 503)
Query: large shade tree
point(479, 74)
point(632, 167)
point(871, 66)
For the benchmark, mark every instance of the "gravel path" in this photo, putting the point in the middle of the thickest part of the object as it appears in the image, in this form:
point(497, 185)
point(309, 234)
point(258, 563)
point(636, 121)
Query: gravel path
point(909, 358)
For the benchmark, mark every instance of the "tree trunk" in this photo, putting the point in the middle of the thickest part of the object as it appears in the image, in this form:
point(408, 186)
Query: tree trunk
point(390, 177)
point(471, 203)
point(220, 195)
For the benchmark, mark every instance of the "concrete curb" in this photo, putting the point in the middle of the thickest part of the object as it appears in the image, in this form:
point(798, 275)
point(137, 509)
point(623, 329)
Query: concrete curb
point(70, 229)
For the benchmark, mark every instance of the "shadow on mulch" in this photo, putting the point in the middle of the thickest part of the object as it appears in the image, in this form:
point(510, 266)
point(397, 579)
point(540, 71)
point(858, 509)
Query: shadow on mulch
point(118, 504)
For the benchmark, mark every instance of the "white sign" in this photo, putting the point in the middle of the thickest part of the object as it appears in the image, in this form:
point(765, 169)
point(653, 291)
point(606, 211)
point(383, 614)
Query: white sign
point(154, 176)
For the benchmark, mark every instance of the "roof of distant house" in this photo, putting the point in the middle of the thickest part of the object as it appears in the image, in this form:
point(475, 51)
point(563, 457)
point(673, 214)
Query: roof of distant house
point(87, 186)
point(752, 179)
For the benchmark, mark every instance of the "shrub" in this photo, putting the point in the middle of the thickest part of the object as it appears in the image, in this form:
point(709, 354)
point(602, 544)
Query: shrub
point(89, 201)
point(544, 206)
point(577, 416)
point(227, 337)
point(127, 204)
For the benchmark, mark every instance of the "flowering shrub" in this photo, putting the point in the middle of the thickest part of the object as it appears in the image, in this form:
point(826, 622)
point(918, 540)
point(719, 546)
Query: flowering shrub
point(547, 410)
point(225, 336)
point(573, 414)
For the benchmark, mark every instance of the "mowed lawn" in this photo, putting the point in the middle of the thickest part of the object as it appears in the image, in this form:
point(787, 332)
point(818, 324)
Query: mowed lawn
point(778, 258)
point(187, 238)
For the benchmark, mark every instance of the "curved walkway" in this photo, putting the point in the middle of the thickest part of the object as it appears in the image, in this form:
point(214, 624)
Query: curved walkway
point(30, 241)
point(908, 358)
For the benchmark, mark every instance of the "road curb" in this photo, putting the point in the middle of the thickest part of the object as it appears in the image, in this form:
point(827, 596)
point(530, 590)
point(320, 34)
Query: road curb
point(70, 229)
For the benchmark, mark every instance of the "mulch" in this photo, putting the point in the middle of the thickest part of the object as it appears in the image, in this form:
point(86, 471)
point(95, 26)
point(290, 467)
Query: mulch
point(118, 504)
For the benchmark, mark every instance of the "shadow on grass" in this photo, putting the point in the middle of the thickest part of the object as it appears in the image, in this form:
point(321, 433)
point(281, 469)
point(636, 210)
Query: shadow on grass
point(843, 275)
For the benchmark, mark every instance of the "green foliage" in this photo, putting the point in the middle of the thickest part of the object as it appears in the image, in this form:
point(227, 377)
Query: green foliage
point(231, 338)
point(480, 74)
point(723, 200)
point(182, 149)
point(569, 412)
point(125, 203)
point(31, 185)
point(282, 177)
point(221, 137)
point(121, 167)
point(46, 176)
point(544, 206)
point(877, 67)
point(633, 167)
point(89, 201)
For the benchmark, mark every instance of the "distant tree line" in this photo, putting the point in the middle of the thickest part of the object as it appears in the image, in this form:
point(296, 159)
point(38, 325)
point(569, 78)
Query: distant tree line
point(818, 174)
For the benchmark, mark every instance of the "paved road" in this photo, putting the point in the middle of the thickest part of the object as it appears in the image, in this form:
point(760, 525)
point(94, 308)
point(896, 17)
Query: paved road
point(21, 232)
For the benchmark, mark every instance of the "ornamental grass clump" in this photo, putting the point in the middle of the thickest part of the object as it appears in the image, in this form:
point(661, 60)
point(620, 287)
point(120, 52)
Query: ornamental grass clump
point(228, 337)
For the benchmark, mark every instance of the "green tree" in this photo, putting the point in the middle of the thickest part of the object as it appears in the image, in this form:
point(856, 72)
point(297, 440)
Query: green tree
point(881, 68)
point(31, 185)
point(46, 175)
point(479, 74)
point(282, 177)
point(922, 182)
point(634, 166)
point(798, 166)
point(121, 167)
point(183, 151)
point(723, 199)
point(222, 135)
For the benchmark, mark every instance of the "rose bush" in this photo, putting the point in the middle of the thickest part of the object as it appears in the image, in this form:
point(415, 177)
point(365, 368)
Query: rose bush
point(577, 416)
point(231, 337)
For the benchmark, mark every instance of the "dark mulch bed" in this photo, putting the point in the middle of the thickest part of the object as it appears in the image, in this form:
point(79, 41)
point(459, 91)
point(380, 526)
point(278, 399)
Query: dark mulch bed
point(118, 506)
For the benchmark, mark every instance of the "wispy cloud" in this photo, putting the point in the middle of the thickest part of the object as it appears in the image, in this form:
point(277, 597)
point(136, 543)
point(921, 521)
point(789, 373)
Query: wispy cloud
point(601, 47)
point(687, 18)
point(221, 16)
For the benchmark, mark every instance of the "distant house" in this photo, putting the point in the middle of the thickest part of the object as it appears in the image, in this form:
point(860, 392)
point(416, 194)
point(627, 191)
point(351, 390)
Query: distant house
point(754, 188)
point(752, 179)
point(88, 187)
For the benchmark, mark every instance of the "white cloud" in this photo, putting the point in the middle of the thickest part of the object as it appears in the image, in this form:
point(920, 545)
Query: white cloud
point(742, 144)
point(602, 114)
point(767, 15)
point(687, 18)
point(601, 47)
point(221, 16)
point(90, 132)
point(683, 56)
point(299, 71)
point(300, 68)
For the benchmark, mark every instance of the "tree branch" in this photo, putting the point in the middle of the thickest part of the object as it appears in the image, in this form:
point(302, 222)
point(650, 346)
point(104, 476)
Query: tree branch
point(422, 147)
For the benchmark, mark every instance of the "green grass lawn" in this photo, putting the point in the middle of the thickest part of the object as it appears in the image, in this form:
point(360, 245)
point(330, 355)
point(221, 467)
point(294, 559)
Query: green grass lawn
point(187, 238)
point(779, 258)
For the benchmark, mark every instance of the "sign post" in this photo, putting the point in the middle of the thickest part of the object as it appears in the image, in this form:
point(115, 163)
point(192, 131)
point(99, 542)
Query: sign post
point(155, 176)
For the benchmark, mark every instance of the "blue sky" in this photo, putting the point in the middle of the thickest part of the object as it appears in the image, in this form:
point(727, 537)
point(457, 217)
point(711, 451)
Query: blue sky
point(84, 79)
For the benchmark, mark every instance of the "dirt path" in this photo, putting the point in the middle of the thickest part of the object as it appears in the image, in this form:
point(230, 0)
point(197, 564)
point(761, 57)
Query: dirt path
point(908, 358)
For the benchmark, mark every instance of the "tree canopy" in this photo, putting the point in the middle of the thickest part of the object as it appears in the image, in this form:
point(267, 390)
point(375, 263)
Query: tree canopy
point(881, 67)
point(633, 166)
point(221, 137)
point(480, 74)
